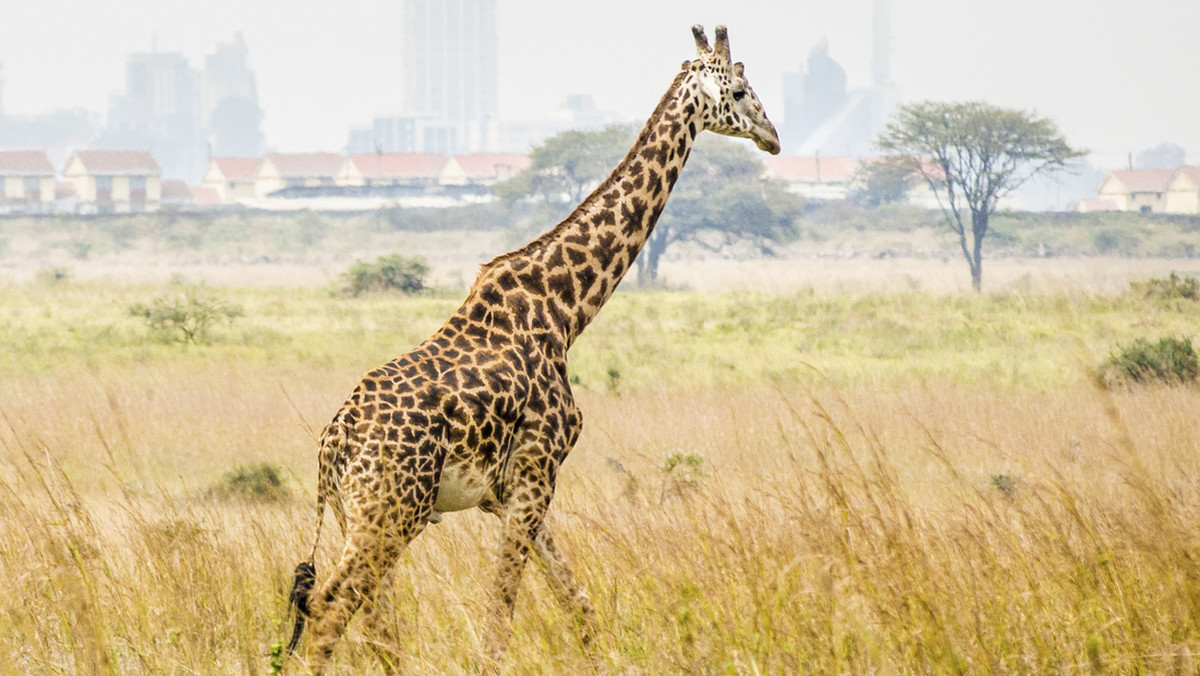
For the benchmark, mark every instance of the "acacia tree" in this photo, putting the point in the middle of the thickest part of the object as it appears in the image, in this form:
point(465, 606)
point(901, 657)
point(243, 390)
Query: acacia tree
point(721, 197)
point(567, 165)
point(971, 155)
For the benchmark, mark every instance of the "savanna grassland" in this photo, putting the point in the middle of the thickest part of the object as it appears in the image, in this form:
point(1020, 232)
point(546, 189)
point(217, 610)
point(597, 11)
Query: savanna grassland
point(878, 475)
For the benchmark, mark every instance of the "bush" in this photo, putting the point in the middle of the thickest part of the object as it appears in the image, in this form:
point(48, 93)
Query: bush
point(1170, 360)
point(1115, 241)
point(186, 318)
point(682, 473)
point(387, 273)
point(260, 482)
point(1173, 287)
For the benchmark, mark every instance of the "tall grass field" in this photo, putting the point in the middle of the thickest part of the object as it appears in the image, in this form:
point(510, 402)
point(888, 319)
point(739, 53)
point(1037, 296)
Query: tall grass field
point(825, 480)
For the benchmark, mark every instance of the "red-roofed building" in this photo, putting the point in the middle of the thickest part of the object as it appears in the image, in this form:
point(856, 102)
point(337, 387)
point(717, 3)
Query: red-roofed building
point(1183, 191)
point(370, 169)
point(821, 178)
point(64, 191)
point(206, 196)
point(277, 171)
point(175, 192)
point(1137, 189)
point(1094, 204)
point(231, 177)
point(482, 168)
point(115, 180)
point(26, 180)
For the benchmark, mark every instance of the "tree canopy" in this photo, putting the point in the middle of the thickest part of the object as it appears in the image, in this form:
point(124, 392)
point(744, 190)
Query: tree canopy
point(567, 165)
point(971, 155)
point(720, 196)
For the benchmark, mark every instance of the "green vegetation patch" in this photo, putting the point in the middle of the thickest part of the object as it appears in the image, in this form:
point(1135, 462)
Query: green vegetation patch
point(394, 272)
point(262, 481)
point(1169, 360)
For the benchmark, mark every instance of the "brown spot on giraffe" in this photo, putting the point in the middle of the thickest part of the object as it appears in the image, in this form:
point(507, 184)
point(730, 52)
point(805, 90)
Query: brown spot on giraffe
point(481, 414)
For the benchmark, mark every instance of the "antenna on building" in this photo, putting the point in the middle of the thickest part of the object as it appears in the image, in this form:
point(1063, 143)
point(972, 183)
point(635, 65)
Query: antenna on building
point(881, 44)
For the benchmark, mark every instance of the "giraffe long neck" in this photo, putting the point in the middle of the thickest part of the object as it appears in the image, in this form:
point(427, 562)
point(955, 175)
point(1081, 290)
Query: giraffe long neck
point(572, 270)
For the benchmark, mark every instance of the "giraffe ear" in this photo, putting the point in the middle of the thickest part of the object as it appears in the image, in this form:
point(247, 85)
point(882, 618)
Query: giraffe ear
point(701, 41)
point(739, 69)
point(721, 49)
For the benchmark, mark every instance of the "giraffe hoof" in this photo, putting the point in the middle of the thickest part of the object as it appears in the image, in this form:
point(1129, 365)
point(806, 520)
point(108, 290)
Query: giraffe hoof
point(435, 517)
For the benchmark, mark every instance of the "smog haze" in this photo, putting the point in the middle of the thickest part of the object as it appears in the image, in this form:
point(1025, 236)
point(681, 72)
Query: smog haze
point(1115, 77)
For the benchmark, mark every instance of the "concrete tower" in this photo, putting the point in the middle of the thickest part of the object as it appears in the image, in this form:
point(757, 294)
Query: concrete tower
point(449, 70)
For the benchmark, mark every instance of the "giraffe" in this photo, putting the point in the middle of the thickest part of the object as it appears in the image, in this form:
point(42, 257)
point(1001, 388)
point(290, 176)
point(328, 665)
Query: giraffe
point(481, 414)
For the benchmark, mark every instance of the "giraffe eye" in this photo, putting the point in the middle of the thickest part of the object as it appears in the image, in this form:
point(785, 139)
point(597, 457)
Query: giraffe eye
point(739, 95)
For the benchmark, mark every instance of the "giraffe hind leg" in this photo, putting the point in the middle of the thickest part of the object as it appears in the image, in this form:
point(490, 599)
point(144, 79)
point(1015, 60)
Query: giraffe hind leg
point(570, 594)
point(358, 579)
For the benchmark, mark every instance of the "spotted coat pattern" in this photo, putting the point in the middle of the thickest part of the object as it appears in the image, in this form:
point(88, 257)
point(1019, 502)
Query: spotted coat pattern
point(481, 414)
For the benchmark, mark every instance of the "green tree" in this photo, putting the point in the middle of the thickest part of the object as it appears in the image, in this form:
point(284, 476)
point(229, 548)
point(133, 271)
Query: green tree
point(186, 317)
point(885, 181)
point(566, 166)
point(721, 197)
point(971, 155)
point(394, 272)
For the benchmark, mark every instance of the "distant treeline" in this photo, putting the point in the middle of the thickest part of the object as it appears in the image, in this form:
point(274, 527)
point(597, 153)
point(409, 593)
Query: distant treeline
point(904, 230)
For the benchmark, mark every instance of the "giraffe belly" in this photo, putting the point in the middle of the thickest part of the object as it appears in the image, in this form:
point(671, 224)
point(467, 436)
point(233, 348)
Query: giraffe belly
point(459, 488)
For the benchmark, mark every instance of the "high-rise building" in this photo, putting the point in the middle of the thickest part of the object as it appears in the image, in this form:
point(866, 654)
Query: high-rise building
point(449, 71)
point(232, 116)
point(182, 115)
point(821, 117)
point(812, 96)
point(159, 112)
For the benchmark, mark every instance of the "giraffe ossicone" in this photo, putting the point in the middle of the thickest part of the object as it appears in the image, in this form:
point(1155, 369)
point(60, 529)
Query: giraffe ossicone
point(481, 414)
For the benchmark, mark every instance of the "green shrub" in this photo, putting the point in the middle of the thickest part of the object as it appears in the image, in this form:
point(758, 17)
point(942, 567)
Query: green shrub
point(1007, 484)
point(1170, 360)
point(1173, 287)
point(682, 473)
point(259, 482)
point(187, 317)
point(388, 273)
point(1115, 241)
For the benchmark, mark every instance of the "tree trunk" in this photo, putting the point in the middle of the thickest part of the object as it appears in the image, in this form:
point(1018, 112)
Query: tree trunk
point(648, 261)
point(979, 226)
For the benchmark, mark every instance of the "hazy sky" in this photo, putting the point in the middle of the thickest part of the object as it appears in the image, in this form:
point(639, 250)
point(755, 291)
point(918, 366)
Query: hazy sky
point(1116, 76)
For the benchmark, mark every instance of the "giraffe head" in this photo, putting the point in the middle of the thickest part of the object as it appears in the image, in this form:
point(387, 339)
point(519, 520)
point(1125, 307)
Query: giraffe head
point(733, 108)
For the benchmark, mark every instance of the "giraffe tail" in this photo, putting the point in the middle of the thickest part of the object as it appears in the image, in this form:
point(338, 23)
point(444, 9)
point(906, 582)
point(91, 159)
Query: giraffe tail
point(303, 581)
point(302, 586)
point(305, 576)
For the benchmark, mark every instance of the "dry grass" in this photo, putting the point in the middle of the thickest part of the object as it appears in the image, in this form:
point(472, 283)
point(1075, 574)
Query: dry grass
point(728, 517)
point(931, 529)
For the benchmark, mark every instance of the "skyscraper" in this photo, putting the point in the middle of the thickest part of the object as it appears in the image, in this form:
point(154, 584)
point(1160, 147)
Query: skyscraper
point(449, 70)
point(821, 117)
point(232, 115)
point(159, 112)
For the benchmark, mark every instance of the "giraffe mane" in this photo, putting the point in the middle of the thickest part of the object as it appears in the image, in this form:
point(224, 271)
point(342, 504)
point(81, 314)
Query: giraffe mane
point(545, 238)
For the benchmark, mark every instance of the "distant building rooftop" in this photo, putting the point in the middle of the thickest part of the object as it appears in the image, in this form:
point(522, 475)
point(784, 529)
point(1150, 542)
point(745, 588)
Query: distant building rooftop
point(25, 162)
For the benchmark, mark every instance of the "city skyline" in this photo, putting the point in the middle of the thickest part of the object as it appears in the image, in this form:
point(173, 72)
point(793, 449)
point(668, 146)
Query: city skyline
point(1113, 87)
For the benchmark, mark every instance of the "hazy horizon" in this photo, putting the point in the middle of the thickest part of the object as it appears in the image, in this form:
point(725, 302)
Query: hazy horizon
point(1114, 82)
